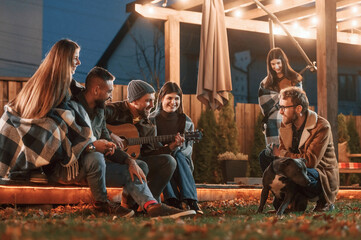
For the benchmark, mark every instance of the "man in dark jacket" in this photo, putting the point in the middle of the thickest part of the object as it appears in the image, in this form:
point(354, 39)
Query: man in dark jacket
point(121, 169)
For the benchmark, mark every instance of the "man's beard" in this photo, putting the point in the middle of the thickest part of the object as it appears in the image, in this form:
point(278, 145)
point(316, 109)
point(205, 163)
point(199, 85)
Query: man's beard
point(100, 104)
point(143, 113)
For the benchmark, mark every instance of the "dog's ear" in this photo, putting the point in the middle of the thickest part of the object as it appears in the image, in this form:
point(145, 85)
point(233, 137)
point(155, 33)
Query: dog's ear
point(282, 163)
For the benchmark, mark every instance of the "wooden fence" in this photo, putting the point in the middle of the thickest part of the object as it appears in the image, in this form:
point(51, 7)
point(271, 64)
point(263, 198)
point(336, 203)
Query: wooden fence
point(246, 114)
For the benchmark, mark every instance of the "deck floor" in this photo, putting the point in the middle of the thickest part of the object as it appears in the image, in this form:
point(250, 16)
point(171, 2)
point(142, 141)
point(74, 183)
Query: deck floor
point(46, 194)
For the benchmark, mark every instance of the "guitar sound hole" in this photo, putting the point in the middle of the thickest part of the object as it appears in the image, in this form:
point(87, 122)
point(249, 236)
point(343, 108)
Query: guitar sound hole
point(133, 155)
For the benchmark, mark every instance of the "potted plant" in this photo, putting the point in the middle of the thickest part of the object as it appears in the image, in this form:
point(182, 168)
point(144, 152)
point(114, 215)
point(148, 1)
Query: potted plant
point(233, 165)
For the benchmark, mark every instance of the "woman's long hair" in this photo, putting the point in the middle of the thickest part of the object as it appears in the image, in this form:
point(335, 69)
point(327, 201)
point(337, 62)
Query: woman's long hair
point(272, 79)
point(49, 84)
point(170, 87)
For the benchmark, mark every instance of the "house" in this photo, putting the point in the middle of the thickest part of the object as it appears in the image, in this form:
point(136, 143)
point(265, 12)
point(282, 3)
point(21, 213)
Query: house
point(134, 47)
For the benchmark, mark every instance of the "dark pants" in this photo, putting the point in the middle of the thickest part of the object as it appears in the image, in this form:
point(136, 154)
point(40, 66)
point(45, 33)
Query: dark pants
point(161, 168)
point(311, 191)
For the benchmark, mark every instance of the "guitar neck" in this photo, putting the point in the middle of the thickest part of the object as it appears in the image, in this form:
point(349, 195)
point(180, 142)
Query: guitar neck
point(143, 140)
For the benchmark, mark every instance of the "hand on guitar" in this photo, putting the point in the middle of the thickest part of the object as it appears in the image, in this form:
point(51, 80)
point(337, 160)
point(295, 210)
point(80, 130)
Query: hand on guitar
point(178, 141)
point(121, 143)
point(104, 146)
point(134, 169)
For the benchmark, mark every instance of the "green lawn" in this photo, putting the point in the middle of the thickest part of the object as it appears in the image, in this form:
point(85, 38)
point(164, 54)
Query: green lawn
point(234, 219)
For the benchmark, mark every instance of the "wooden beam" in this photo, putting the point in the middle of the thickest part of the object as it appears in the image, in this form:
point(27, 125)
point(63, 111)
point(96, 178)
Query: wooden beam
point(183, 5)
point(311, 12)
point(230, 5)
point(172, 49)
point(274, 8)
point(327, 80)
point(342, 15)
point(349, 24)
point(233, 23)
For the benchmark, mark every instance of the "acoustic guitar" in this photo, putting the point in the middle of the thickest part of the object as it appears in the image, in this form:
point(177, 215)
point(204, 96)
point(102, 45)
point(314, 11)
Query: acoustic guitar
point(133, 142)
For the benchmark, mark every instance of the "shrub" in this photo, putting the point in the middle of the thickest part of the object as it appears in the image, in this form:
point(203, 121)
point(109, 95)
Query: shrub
point(206, 166)
point(227, 133)
point(259, 144)
point(342, 129)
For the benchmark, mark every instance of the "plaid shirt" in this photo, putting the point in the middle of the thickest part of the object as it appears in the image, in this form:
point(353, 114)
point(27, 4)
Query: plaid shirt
point(26, 144)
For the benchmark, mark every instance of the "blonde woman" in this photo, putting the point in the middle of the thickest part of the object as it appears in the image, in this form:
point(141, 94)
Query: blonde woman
point(41, 127)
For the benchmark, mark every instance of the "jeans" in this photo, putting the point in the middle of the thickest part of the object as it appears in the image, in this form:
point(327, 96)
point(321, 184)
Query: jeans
point(117, 175)
point(161, 169)
point(91, 172)
point(311, 191)
point(181, 186)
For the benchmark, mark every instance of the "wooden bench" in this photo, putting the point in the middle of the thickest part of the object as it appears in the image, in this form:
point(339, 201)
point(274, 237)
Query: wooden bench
point(344, 163)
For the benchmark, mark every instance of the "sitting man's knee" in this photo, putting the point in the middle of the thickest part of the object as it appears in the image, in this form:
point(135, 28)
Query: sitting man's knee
point(94, 160)
point(144, 166)
point(171, 162)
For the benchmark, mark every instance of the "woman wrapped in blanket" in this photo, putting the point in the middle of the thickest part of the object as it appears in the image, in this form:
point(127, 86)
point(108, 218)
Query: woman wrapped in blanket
point(170, 119)
point(43, 128)
point(279, 76)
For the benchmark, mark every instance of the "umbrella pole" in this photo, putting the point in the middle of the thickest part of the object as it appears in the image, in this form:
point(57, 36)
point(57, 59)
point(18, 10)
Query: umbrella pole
point(271, 35)
point(312, 67)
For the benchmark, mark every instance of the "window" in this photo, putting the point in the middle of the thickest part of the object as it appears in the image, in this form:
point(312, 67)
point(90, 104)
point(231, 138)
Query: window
point(347, 87)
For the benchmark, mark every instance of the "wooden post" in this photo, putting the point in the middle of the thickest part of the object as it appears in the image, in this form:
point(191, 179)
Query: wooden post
point(172, 50)
point(327, 80)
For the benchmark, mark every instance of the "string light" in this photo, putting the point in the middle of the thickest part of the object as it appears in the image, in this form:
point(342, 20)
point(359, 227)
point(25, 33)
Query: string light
point(354, 23)
point(354, 9)
point(150, 9)
point(295, 25)
point(238, 13)
point(278, 2)
point(314, 20)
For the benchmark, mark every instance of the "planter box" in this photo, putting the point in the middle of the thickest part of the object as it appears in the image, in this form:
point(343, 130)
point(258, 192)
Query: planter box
point(233, 169)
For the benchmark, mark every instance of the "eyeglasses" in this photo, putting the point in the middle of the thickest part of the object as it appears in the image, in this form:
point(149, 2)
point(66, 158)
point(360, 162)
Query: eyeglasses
point(280, 107)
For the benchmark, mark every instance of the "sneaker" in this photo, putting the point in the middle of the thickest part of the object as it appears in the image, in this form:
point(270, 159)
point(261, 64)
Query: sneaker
point(327, 207)
point(38, 176)
point(323, 206)
point(193, 205)
point(128, 202)
point(164, 211)
point(173, 202)
point(113, 208)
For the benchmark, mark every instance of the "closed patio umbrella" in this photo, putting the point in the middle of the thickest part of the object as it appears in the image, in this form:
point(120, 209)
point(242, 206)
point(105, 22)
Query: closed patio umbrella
point(214, 75)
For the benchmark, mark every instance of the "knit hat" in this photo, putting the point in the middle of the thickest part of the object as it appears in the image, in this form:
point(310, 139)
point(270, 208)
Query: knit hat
point(137, 89)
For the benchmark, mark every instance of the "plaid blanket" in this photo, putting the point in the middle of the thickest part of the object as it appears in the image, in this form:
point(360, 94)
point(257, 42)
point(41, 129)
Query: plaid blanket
point(268, 100)
point(26, 144)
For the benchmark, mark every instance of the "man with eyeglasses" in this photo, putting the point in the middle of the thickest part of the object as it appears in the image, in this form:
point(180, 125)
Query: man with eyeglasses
point(304, 134)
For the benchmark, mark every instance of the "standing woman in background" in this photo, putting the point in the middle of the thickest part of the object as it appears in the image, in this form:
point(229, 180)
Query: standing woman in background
point(170, 119)
point(279, 76)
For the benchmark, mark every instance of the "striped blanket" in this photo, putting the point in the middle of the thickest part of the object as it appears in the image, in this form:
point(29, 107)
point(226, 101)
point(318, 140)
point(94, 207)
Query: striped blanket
point(26, 144)
point(267, 100)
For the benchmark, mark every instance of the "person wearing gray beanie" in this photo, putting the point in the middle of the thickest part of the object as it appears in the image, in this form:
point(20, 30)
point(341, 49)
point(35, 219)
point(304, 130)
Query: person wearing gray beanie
point(135, 111)
point(137, 89)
